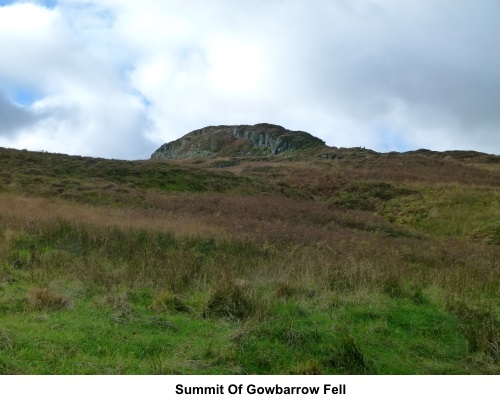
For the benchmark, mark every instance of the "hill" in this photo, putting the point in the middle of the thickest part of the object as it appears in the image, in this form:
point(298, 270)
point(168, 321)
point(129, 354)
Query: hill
point(265, 141)
point(238, 140)
point(314, 260)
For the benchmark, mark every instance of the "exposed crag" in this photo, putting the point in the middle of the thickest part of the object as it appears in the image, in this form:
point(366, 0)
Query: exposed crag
point(238, 140)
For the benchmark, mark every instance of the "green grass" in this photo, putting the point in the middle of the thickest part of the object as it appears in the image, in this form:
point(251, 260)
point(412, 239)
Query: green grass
point(77, 299)
point(93, 340)
point(448, 211)
point(382, 335)
point(101, 181)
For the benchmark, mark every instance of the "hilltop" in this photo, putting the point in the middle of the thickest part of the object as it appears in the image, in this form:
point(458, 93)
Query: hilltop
point(244, 143)
point(239, 140)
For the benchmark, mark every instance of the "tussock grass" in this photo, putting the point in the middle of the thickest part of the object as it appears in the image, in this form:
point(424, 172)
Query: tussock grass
point(349, 357)
point(232, 299)
point(480, 325)
point(44, 298)
point(167, 301)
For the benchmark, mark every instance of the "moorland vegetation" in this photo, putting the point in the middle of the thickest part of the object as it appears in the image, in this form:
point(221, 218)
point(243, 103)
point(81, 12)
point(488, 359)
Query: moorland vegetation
point(358, 263)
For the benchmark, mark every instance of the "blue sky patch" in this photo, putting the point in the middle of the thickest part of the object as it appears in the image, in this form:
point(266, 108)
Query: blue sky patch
point(49, 3)
point(45, 3)
point(25, 97)
point(391, 140)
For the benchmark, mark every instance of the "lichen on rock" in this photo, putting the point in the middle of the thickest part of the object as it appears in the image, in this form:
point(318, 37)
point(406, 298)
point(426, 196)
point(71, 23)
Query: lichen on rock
point(237, 140)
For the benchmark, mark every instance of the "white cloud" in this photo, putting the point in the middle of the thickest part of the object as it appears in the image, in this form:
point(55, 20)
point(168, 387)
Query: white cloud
point(119, 77)
point(30, 36)
point(87, 106)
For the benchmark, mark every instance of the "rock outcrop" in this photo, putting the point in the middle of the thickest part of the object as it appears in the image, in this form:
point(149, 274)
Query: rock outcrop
point(238, 140)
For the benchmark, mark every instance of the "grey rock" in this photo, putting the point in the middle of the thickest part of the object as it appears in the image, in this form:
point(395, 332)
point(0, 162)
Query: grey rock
point(237, 140)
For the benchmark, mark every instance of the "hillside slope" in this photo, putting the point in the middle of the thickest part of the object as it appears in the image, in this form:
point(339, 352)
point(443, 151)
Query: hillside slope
point(362, 263)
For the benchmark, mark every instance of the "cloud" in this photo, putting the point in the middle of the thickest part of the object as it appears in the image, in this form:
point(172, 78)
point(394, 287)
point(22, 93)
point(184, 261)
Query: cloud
point(13, 118)
point(80, 124)
point(117, 78)
point(87, 105)
point(425, 72)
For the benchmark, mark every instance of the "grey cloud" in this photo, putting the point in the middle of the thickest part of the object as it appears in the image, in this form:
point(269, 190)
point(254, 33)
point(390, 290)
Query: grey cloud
point(438, 60)
point(13, 117)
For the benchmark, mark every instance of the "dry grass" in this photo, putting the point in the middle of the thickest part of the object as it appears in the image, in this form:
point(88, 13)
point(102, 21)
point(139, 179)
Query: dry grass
point(168, 301)
point(23, 211)
point(303, 242)
point(44, 298)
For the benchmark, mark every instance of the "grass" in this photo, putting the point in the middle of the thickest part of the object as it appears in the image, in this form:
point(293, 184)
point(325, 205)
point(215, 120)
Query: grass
point(101, 181)
point(374, 276)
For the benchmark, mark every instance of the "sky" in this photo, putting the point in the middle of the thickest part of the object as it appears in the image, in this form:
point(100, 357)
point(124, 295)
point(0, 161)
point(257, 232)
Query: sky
point(118, 78)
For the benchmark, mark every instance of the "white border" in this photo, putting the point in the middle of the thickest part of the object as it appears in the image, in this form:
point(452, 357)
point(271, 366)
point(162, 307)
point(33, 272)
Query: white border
point(124, 390)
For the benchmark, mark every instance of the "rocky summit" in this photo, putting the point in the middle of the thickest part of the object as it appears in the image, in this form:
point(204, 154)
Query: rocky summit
point(239, 140)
